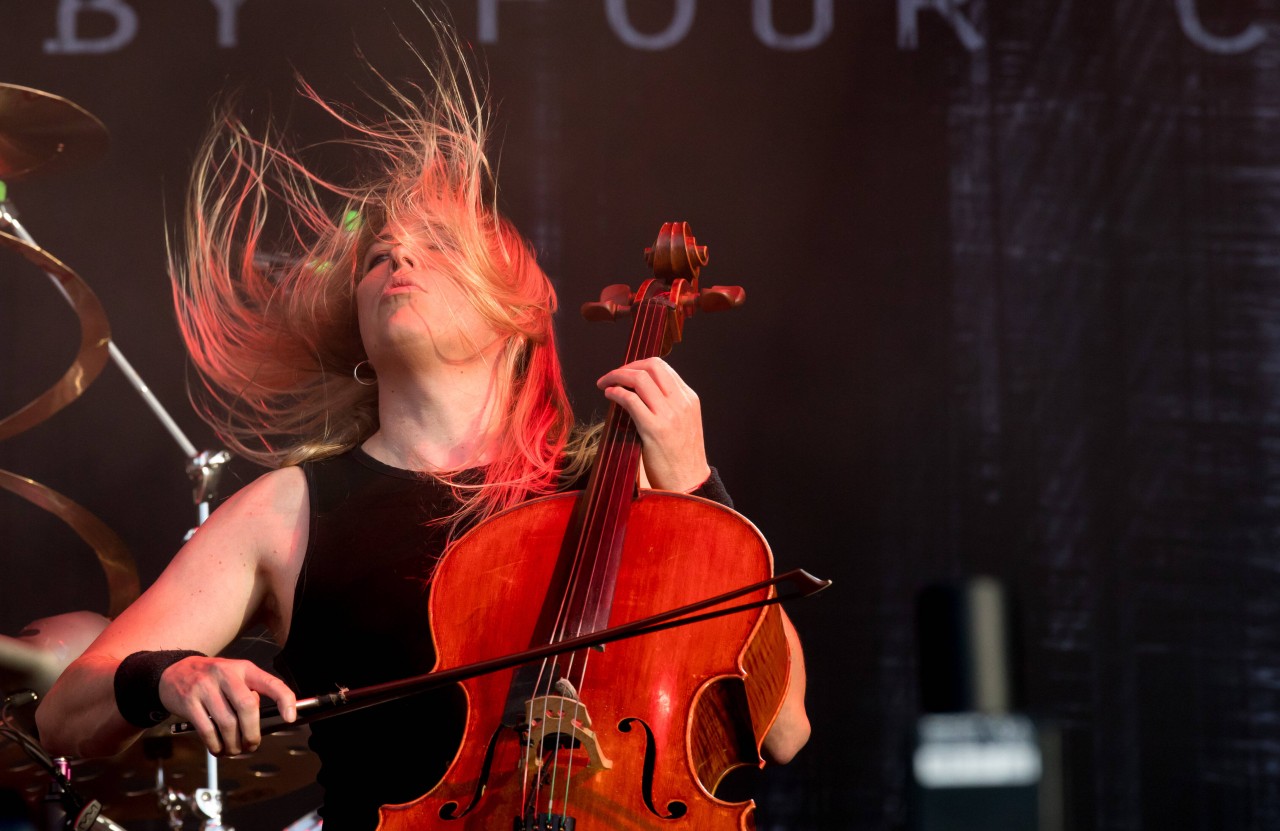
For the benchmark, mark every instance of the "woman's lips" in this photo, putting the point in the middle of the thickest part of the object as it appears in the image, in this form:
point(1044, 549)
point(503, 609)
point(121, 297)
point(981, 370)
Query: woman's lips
point(399, 288)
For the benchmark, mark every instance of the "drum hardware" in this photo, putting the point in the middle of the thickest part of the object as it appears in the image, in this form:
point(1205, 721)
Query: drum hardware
point(44, 133)
point(205, 472)
point(139, 785)
point(153, 777)
point(308, 822)
point(63, 807)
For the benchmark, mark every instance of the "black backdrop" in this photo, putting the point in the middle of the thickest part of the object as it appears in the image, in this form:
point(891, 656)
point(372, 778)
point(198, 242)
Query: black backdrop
point(1011, 310)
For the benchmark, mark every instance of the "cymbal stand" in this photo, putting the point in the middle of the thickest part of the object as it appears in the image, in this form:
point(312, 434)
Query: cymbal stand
point(204, 468)
point(173, 802)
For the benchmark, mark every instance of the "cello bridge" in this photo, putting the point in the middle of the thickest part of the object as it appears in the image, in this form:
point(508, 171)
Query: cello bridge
point(563, 720)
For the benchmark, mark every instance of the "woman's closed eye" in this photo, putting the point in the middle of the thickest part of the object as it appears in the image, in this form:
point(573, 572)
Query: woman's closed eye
point(375, 258)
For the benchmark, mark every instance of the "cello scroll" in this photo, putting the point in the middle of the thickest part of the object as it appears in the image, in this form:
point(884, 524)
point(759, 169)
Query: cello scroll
point(677, 259)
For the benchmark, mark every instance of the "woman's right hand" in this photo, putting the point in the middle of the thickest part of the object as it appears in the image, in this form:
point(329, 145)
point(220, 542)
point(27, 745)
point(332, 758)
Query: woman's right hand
point(221, 698)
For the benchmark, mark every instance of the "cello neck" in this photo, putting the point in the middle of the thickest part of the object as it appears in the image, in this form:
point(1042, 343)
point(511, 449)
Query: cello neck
point(605, 505)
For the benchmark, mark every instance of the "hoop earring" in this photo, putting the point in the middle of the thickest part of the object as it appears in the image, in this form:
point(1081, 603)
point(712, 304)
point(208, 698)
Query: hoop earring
point(355, 373)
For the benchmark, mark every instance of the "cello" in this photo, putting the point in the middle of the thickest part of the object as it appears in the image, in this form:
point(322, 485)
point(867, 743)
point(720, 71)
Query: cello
point(636, 734)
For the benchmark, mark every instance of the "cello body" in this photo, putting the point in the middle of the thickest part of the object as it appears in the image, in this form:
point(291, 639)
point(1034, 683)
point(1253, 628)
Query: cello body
point(657, 712)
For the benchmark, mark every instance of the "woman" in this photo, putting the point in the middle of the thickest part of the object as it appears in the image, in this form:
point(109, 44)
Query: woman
point(399, 373)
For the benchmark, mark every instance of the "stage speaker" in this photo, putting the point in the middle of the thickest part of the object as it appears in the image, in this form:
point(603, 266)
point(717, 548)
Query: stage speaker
point(977, 763)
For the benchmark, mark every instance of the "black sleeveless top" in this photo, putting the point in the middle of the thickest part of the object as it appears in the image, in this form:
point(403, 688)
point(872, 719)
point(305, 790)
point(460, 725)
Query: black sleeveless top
point(360, 618)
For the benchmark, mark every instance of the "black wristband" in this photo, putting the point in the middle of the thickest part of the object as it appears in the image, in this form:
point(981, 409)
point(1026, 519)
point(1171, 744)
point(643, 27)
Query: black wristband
point(137, 685)
point(713, 489)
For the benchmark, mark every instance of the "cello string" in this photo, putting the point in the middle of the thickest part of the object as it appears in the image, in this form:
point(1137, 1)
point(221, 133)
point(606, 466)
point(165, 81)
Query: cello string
point(651, 315)
point(602, 513)
point(648, 330)
point(611, 456)
point(620, 487)
point(525, 763)
point(620, 456)
point(605, 517)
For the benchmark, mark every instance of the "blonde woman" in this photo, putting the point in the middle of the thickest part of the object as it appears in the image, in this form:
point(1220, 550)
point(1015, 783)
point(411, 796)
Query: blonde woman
point(400, 375)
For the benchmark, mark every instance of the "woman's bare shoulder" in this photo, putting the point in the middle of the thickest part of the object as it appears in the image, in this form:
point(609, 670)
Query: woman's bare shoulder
point(229, 573)
point(270, 515)
point(283, 490)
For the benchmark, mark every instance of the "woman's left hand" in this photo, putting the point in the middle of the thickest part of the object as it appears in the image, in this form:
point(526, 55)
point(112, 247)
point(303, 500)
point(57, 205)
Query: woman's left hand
point(668, 418)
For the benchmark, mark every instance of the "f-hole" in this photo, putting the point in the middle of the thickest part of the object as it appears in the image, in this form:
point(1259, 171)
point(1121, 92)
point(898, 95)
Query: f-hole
point(447, 809)
point(677, 808)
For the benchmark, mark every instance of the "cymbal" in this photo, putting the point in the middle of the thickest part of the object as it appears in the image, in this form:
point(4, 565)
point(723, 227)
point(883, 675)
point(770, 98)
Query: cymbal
point(113, 555)
point(45, 647)
point(90, 359)
point(45, 133)
point(126, 784)
point(24, 666)
point(95, 339)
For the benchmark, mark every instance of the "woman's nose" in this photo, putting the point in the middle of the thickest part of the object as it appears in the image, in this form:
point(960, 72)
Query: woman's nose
point(402, 257)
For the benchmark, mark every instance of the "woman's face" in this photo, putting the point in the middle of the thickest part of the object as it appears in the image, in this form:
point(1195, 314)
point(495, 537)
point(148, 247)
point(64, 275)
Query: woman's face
point(412, 312)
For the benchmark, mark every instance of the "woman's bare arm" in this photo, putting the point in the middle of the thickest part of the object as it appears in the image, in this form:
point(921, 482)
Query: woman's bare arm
point(790, 730)
point(238, 568)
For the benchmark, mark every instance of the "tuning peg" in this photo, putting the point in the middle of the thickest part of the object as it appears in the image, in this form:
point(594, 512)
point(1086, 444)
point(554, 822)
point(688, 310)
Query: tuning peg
point(721, 298)
point(614, 302)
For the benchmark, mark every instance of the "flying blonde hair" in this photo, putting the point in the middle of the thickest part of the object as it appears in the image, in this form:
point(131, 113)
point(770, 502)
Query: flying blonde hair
point(265, 273)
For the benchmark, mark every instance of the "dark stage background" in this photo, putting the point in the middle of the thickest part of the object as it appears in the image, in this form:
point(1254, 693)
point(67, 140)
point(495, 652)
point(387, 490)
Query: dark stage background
point(1012, 309)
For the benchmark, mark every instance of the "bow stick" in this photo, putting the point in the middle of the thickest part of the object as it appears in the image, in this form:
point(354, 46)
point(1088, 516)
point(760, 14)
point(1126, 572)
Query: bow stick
point(801, 582)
